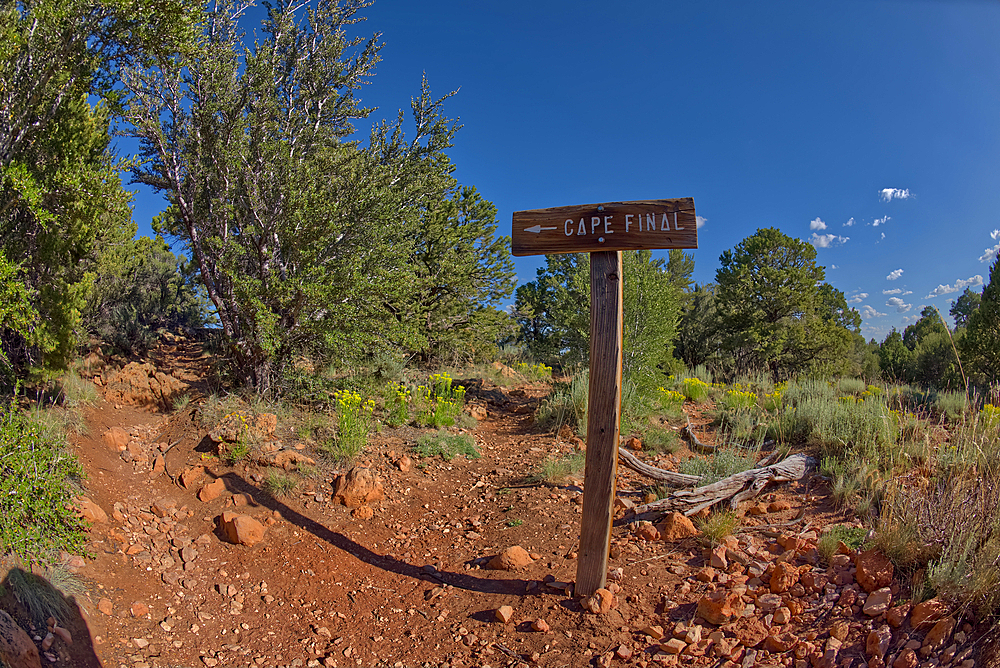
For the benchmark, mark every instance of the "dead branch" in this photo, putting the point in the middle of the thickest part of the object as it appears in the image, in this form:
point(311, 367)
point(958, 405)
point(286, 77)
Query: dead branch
point(669, 477)
point(735, 489)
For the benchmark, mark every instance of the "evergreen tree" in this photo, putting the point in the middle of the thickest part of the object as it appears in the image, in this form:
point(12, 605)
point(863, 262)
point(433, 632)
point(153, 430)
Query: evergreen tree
point(963, 307)
point(981, 345)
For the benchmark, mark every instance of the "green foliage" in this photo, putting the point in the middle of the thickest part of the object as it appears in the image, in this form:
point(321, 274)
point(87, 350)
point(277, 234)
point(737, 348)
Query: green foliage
point(963, 307)
point(699, 332)
point(775, 309)
point(534, 371)
point(279, 484)
point(737, 399)
point(16, 311)
point(557, 470)
point(853, 537)
point(36, 470)
point(140, 286)
point(717, 526)
point(553, 312)
point(658, 440)
point(439, 403)
point(397, 404)
point(310, 244)
point(567, 404)
point(695, 389)
point(44, 593)
point(354, 421)
point(981, 346)
point(723, 463)
point(447, 446)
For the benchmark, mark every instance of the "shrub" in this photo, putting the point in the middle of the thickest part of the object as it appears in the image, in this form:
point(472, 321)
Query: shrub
point(42, 476)
point(354, 420)
point(739, 400)
point(447, 446)
point(555, 471)
point(695, 389)
point(853, 537)
point(397, 404)
point(671, 399)
point(439, 403)
point(567, 404)
point(717, 526)
point(950, 404)
point(658, 440)
point(534, 371)
point(278, 483)
point(851, 386)
point(723, 463)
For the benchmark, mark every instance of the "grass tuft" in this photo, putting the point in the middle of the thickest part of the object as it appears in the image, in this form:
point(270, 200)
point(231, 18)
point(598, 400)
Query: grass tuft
point(447, 446)
point(555, 471)
point(717, 526)
point(279, 484)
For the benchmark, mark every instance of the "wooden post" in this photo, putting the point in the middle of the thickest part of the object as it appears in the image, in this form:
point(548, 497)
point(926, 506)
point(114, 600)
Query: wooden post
point(603, 420)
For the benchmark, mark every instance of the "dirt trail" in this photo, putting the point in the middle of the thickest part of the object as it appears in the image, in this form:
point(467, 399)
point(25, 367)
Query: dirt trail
point(410, 586)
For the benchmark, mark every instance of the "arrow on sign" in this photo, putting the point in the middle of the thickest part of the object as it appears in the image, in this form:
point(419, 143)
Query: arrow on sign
point(537, 229)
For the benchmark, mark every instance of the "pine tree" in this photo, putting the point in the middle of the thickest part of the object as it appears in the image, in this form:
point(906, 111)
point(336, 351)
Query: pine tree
point(981, 345)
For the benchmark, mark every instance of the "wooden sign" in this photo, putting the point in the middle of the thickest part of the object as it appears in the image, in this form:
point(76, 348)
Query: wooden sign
point(603, 230)
point(587, 228)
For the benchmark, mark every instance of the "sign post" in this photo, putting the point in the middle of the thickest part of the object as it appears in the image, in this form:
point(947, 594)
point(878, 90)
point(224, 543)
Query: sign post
point(603, 230)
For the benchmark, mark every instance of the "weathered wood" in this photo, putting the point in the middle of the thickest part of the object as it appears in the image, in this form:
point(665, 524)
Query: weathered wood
point(735, 489)
point(611, 226)
point(603, 420)
point(696, 445)
point(669, 477)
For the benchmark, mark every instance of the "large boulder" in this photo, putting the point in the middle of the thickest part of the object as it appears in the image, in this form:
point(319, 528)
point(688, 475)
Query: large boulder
point(240, 529)
point(874, 570)
point(16, 648)
point(358, 487)
point(142, 385)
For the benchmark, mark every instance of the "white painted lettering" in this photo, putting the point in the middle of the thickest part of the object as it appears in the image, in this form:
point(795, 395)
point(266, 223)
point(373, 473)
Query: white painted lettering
point(594, 222)
point(650, 222)
point(628, 221)
point(607, 230)
point(665, 224)
point(582, 230)
point(676, 227)
point(566, 227)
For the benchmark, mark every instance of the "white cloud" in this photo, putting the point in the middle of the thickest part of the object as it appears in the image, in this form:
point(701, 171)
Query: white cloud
point(881, 221)
point(883, 236)
point(817, 224)
point(995, 234)
point(887, 194)
point(894, 291)
point(910, 318)
point(850, 223)
point(827, 240)
point(833, 266)
point(868, 312)
point(894, 275)
point(699, 221)
point(960, 284)
point(898, 304)
point(858, 298)
point(990, 254)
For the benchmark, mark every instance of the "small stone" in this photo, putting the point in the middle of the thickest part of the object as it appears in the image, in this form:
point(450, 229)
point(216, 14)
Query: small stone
point(719, 607)
point(139, 609)
point(404, 464)
point(906, 659)
point(839, 630)
point(718, 558)
point(673, 646)
point(878, 602)
point(241, 529)
point(647, 531)
point(783, 642)
point(212, 490)
point(540, 625)
point(939, 633)
point(105, 606)
point(141, 643)
point(363, 513)
point(623, 653)
point(654, 632)
point(783, 578)
point(357, 487)
point(878, 641)
point(598, 603)
point(782, 615)
point(778, 506)
point(676, 526)
point(504, 614)
point(90, 511)
point(895, 616)
point(926, 614)
point(512, 559)
point(874, 570)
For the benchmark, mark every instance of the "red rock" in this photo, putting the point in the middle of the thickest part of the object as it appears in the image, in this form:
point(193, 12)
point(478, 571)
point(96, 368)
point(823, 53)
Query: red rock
point(676, 526)
point(90, 511)
point(16, 648)
point(504, 614)
point(540, 625)
point(748, 630)
point(105, 606)
point(939, 633)
point(877, 643)
point(404, 464)
point(778, 506)
point(759, 509)
point(623, 653)
point(512, 559)
point(190, 476)
point(634, 443)
point(673, 646)
point(906, 659)
point(895, 616)
point(874, 570)
point(139, 609)
point(782, 642)
point(706, 574)
point(719, 607)
point(357, 487)
point(116, 439)
point(647, 531)
point(212, 490)
point(839, 630)
point(163, 507)
point(783, 578)
point(600, 602)
point(718, 558)
point(655, 632)
point(363, 513)
point(926, 614)
point(878, 602)
point(241, 529)
point(265, 424)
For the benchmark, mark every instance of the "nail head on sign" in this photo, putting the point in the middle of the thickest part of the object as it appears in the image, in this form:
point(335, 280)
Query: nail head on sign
point(600, 239)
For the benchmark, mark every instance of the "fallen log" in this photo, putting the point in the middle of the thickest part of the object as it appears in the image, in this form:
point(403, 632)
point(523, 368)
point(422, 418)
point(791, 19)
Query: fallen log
point(735, 489)
point(696, 445)
point(670, 477)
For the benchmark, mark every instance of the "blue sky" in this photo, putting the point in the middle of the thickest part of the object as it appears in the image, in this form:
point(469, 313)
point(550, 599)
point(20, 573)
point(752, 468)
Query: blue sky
point(871, 129)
